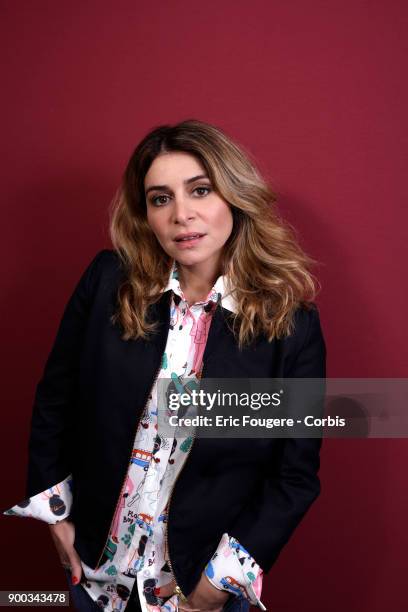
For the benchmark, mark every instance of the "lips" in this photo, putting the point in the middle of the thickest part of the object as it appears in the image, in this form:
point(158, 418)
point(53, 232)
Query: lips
point(185, 242)
point(185, 237)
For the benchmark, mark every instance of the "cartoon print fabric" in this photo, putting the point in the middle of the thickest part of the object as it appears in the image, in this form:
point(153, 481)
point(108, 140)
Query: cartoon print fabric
point(51, 506)
point(222, 570)
point(136, 546)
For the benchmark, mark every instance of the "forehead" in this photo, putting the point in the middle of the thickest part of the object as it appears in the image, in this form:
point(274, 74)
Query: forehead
point(173, 167)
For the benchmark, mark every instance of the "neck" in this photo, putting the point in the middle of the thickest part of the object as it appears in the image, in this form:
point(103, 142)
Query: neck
point(196, 282)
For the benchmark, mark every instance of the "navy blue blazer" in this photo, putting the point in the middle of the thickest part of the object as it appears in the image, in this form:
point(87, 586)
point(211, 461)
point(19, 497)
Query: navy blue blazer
point(90, 399)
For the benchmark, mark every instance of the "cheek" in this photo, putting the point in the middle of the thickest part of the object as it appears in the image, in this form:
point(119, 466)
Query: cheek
point(224, 221)
point(155, 224)
point(150, 220)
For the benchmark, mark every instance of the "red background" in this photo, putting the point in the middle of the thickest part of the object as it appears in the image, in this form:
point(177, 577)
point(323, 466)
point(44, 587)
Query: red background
point(317, 92)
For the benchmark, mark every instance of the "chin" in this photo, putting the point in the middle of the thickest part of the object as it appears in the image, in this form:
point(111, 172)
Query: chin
point(189, 259)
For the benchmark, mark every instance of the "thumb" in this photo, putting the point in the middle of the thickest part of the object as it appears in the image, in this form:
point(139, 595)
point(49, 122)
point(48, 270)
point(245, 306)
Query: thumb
point(76, 567)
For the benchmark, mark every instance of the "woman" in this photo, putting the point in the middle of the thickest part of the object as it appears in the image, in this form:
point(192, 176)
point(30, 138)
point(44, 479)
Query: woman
point(205, 280)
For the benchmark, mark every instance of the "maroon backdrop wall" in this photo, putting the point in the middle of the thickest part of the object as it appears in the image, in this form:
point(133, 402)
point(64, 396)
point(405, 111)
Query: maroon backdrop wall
point(317, 92)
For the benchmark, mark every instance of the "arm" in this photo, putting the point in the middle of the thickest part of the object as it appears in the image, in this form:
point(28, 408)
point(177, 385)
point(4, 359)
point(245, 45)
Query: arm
point(51, 425)
point(267, 522)
point(53, 507)
point(50, 440)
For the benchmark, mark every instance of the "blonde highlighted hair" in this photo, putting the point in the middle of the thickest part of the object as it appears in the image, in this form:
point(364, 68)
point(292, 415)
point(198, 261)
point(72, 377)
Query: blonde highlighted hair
point(266, 267)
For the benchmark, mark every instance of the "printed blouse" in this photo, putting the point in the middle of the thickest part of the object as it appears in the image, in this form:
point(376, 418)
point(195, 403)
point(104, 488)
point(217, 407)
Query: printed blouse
point(136, 548)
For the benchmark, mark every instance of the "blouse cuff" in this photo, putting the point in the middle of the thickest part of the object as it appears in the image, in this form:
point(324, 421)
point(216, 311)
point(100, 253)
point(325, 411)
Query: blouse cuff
point(232, 569)
point(51, 506)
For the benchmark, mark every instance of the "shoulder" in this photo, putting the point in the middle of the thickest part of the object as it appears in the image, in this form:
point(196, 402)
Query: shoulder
point(106, 258)
point(104, 271)
point(305, 317)
point(305, 348)
point(104, 262)
point(306, 326)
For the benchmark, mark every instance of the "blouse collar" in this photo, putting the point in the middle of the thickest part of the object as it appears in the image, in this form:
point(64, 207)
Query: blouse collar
point(218, 293)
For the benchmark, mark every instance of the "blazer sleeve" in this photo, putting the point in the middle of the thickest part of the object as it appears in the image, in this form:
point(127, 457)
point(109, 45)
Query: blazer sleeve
point(267, 522)
point(50, 442)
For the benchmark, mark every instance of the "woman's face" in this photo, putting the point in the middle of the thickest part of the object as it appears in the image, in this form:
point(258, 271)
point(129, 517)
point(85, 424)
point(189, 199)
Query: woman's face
point(180, 200)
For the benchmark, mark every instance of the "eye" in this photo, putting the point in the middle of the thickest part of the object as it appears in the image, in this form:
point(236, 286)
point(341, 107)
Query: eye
point(154, 200)
point(158, 200)
point(208, 189)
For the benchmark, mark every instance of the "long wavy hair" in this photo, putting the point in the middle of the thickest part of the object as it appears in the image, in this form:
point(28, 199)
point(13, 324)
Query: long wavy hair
point(267, 271)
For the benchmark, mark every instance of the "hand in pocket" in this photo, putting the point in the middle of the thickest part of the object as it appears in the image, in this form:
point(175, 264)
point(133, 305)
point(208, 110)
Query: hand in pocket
point(63, 534)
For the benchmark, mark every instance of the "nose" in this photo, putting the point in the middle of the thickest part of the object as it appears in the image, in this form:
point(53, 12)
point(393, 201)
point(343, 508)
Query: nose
point(183, 210)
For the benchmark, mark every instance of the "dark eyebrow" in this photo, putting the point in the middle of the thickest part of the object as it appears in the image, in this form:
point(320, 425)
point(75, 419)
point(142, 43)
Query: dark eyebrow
point(186, 182)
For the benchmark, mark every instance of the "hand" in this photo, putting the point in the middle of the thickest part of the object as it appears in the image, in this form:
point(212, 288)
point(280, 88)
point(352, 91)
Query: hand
point(166, 590)
point(205, 597)
point(63, 534)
